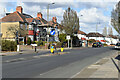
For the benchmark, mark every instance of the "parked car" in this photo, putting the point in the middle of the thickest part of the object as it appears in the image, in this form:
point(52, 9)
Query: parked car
point(97, 44)
point(117, 46)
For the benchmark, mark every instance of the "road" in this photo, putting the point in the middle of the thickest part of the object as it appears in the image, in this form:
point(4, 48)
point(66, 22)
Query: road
point(59, 66)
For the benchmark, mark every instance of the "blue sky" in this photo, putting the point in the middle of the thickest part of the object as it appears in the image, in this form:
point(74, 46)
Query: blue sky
point(92, 11)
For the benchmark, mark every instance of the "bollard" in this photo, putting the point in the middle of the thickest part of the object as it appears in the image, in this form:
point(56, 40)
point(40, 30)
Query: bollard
point(62, 49)
point(52, 49)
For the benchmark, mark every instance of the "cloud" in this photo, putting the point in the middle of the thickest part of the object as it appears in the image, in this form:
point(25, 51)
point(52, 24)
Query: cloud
point(92, 11)
point(90, 18)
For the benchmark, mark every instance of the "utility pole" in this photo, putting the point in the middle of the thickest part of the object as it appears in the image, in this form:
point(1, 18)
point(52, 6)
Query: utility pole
point(97, 28)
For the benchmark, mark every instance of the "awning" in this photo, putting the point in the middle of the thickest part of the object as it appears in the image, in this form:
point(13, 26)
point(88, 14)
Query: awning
point(103, 40)
point(83, 38)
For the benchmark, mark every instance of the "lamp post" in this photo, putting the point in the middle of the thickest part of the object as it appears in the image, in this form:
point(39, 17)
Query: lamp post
point(48, 19)
point(48, 10)
point(81, 15)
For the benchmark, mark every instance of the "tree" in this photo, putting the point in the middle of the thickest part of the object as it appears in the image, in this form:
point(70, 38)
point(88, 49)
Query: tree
point(110, 31)
point(62, 37)
point(115, 18)
point(70, 21)
point(105, 31)
point(15, 30)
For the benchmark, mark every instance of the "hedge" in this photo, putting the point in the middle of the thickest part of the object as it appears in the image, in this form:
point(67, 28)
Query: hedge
point(8, 45)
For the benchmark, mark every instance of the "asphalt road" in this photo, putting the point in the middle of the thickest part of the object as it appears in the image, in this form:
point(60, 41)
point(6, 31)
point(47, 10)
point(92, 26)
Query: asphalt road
point(59, 66)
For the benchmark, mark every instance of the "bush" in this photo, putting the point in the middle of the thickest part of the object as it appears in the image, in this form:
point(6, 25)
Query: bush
point(29, 41)
point(9, 45)
point(21, 43)
point(62, 37)
point(91, 40)
point(40, 42)
point(105, 45)
point(59, 44)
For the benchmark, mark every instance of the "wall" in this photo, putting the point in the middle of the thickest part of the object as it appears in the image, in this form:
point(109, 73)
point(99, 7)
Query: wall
point(6, 34)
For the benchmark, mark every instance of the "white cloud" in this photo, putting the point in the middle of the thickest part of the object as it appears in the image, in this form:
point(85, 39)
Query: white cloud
point(91, 18)
point(2, 9)
point(92, 15)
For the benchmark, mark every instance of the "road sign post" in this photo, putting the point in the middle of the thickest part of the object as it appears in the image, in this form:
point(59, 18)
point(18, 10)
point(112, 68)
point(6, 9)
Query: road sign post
point(35, 46)
point(68, 38)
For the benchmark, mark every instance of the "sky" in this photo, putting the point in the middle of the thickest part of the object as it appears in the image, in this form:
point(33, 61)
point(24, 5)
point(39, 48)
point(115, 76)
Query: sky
point(94, 12)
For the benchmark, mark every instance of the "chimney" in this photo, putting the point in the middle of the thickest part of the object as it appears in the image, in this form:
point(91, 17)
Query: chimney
point(54, 19)
point(19, 9)
point(39, 14)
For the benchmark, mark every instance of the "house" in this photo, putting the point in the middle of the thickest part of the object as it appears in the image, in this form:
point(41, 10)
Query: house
point(111, 39)
point(16, 20)
point(57, 27)
point(96, 36)
point(81, 35)
point(38, 28)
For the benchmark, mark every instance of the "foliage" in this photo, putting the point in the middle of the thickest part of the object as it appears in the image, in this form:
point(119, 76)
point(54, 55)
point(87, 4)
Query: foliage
point(70, 21)
point(59, 44)
point(40, 42)
point(9, 45)
point(62, 37)
point(115, 18)
point(105, 45)
point(91, 40)
point(21, 43)
point(29, 41)
point(15, 30)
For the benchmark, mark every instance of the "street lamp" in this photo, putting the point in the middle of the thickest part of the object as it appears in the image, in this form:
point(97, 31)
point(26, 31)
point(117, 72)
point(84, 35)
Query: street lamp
point(81, 15)
point(48, 10)
point(48, 19)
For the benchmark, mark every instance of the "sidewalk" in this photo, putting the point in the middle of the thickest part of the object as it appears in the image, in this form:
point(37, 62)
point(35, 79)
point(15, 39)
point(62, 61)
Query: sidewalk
point(30, 51)
point(104, 68)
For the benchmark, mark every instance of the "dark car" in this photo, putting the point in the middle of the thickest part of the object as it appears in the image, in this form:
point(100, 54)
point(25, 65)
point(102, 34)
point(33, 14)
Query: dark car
point(117, 46)
point(97, 44)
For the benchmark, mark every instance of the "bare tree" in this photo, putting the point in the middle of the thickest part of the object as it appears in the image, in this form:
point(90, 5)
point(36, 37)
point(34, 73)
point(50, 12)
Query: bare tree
point(16, 30)
point(70, 21)
point(110, 31)
point(115, 18)
point(105, 31)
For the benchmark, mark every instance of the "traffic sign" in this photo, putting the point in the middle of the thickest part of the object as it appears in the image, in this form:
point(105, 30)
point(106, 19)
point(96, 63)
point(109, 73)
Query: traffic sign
point(68, 37)
point(52, 32)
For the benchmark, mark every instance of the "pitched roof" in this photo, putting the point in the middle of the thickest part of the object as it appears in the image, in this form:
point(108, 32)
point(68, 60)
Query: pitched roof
point(14, 17)
point(94, 35)
point(81, 32)
point(54, 24)
point(43, 21)
point(29, 20)
point(112, 36)
point(26, 15)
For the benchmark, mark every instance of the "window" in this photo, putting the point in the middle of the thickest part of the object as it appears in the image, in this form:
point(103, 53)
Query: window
point(26, 26)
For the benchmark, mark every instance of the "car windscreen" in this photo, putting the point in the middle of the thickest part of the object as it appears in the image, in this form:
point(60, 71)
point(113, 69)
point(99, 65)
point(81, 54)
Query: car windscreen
point(118, 44)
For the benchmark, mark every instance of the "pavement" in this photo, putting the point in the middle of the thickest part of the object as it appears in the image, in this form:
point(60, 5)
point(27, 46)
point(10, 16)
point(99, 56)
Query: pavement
point(28, 51)
point(107, 67)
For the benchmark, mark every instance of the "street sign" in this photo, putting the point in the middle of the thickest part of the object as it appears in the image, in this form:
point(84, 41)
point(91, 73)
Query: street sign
point(68, 37)
point(52, 32)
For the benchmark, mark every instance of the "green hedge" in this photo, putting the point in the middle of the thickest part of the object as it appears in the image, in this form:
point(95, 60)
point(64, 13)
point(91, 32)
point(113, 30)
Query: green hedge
point(9, 45)
point(29, 41)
